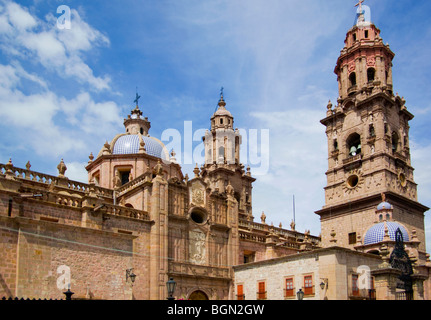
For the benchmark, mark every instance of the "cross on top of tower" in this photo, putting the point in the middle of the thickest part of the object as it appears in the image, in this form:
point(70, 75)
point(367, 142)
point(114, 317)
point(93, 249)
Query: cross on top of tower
point(360, 5)
point(137, 97)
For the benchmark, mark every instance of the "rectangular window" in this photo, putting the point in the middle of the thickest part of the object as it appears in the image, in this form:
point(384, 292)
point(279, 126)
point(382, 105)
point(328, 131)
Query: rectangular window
point(248, 256)
point(366, 33)
point(355, 288)
point(261, 293)
point(352, 238)
point(289, 290)
point(308, 285)
point(240, 292)
point(124, 177)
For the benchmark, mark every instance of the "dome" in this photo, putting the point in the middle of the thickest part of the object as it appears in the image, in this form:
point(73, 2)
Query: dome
point(129, 144)
point(376, 233)
point(384, 206)
point(222, 111)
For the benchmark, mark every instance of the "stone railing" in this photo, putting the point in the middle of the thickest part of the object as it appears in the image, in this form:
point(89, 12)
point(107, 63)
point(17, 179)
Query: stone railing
point(198, 270)
point(29, 175)
point(132, 184)
point(252, 237)
point(126, 212)
point(250, 225)
point(352, 159)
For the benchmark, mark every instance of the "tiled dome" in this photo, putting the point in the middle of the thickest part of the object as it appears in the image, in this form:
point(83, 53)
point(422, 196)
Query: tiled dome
point(384, 205)
point(129, 144)
point(376, 233)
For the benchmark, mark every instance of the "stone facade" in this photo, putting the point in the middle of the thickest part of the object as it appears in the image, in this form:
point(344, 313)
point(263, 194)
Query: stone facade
point(140, 221)
point(138, 215)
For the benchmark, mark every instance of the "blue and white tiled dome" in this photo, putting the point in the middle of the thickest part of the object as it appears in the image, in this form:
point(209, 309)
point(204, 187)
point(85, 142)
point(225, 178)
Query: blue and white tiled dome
point(376, 233)
point(384, 206)
point(129, 144)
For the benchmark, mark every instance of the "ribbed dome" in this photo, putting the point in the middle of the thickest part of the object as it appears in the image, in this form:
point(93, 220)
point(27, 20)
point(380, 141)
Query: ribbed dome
point(376, 233)
point(129, 144)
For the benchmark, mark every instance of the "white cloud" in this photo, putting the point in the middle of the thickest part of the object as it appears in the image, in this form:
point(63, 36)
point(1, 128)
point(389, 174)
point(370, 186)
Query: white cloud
point(76, 171)
point(19, 17)
point(27, 37)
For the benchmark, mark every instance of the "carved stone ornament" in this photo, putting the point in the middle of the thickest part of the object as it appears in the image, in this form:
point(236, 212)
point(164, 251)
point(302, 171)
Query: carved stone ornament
point(61, 168)
point(197, 193)
point(197, 246)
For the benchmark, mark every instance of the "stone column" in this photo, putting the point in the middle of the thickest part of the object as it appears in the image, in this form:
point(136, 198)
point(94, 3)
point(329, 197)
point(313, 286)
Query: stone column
point(159, 236)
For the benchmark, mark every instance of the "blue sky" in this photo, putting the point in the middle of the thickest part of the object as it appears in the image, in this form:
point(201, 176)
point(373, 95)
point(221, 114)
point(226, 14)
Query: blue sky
point(63, 93)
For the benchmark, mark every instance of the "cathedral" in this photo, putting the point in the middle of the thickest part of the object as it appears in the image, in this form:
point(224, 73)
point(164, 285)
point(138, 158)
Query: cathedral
point(139, 222)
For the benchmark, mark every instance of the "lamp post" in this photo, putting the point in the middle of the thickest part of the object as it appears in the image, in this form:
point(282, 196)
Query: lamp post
point(170, 286)
point(300, 294)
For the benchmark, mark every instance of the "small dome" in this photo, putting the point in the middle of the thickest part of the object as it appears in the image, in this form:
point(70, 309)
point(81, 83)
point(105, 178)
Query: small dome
point(376, 233)
point(129, 144)
point(384, 206)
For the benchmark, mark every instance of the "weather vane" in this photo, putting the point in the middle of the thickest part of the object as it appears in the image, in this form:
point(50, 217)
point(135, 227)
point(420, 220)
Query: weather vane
point(137, 97)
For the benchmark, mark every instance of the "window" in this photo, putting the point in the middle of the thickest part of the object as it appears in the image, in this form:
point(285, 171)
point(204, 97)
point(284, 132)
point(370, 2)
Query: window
point(335, 144)
point(261, 293)
point(355, 288)
point(289, 290)
point(372, 131)
point(221, 120)
point(308, 285)
point(354, 144)
point(248, 258)
point(141, 130)
point(366, 33)
point(240, 292)
point(371, 73)
point(352, 79)
point(352, 238)
point(124, 176)
point(354, 37)
point(395, 141)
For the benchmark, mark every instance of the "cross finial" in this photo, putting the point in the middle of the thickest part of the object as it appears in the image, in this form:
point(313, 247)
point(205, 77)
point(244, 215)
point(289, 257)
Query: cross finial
point(137, 97)
point(221, 92)
point(360, 5)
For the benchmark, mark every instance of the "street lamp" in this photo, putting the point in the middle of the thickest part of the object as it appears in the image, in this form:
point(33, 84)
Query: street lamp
point(170, 286)
point(324, 284)
point(300, 294)
point(131, 275)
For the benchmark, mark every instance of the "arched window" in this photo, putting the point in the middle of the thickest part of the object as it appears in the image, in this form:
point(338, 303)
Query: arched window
point(354, 144)
point(352, 79)
point(371, 74)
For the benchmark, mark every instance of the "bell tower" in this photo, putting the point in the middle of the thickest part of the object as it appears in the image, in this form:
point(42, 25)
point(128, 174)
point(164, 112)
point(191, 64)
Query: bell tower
point(368, 140)
point(222, 169)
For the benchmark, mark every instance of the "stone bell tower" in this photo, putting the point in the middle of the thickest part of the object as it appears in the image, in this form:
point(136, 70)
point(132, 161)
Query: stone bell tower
point(222, 166)
point(368, 142)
